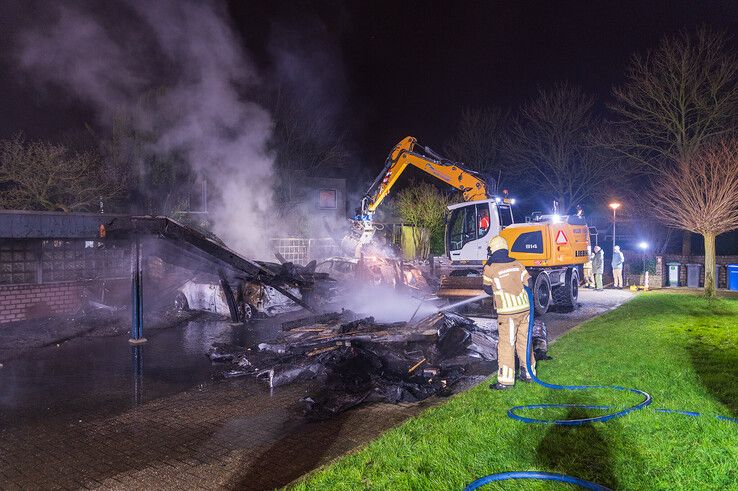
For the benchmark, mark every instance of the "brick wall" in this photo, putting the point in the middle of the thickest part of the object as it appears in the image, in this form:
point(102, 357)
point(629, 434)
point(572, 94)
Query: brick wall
point(722, 272)
point(21, 302)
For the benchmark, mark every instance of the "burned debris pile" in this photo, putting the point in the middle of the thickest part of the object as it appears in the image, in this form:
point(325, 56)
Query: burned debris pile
point(358, 360)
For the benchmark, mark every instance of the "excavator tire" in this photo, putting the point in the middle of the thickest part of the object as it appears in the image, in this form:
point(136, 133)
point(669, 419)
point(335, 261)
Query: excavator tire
point(541, 286)
point(567, 294)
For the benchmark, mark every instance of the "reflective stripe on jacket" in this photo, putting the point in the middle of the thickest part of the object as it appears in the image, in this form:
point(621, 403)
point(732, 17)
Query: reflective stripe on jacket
point(507, 281)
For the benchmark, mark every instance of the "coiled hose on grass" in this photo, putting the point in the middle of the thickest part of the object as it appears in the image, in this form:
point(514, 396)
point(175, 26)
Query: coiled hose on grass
point(513, 413)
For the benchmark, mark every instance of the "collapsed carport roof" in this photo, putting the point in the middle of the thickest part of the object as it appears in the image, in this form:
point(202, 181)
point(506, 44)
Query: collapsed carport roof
point(187, 246)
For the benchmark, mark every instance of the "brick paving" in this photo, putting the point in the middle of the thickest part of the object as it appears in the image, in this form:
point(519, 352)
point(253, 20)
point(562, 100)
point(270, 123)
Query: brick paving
point(227, 435)
point(231, 434)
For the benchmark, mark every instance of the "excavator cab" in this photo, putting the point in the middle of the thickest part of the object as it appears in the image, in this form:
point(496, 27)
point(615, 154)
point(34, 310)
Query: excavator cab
point(471, 225)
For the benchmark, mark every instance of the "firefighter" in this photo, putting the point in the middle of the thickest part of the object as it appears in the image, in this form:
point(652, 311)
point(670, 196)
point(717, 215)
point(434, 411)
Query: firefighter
point(588, 278)
point(598, 266)
point(504, 279)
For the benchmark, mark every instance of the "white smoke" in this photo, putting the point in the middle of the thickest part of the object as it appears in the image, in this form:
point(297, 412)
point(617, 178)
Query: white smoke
point(188, 47)
point(385, 304)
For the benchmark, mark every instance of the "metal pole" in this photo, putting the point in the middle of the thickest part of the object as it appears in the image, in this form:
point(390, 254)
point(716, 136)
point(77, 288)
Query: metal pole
point(137, 365)
point(614, 211)
point(137, 295)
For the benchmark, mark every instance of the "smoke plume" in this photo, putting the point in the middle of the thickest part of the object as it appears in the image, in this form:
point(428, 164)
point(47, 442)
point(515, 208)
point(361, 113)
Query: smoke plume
point(109, 54)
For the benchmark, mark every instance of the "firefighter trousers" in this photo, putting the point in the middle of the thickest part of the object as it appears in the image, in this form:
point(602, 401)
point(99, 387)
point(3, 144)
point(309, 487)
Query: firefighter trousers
point(513, 338)
point(588, 278)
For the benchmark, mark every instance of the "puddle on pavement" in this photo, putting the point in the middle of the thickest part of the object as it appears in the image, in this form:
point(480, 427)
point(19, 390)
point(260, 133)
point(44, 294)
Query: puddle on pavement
point(98, 375)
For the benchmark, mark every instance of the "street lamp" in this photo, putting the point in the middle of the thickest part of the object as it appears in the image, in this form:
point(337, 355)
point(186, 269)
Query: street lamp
point(643, 246)
point(614, 205)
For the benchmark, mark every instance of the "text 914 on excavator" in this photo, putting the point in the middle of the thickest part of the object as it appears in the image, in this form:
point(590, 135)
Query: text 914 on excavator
point(551, 247)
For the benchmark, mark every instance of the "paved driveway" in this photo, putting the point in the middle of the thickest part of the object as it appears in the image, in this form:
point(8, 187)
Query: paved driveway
point(591, 304)
point(69, 421)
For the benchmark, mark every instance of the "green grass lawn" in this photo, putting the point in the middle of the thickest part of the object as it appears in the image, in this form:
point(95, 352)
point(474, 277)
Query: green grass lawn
point(682, 349)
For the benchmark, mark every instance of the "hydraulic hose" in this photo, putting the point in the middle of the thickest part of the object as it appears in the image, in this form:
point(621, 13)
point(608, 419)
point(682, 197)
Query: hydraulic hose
point(569, 422)
point(543, 476)
point(513, 413)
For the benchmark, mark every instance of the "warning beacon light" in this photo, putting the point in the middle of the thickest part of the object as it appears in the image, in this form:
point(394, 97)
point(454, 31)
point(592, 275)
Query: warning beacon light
point(506, 198)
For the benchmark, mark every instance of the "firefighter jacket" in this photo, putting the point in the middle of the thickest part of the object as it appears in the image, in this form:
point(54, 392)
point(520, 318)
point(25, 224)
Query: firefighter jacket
point(506, 278)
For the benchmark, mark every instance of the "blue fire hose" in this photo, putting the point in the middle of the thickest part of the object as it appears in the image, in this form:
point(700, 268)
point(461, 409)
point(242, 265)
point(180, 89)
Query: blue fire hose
point(512, 412)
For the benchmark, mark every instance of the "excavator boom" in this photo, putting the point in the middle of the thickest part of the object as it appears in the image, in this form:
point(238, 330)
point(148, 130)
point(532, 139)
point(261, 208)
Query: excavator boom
point(404, 154)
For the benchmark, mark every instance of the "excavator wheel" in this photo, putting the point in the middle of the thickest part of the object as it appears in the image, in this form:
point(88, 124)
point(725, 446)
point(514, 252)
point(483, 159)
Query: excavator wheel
point(567, 294)
point(541, 286)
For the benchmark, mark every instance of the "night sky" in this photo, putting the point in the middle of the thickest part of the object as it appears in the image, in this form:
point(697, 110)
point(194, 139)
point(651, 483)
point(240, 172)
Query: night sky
point(411, 66)
point(399, 68)
point(387, 69)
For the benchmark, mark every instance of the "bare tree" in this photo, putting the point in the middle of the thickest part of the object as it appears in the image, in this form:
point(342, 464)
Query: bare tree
point(677, 100)
point(46, 176)
point(424, 207)
point(702, 198)
point(304, 143)
point(551, 146)
point(157, 178)
point(478, 140)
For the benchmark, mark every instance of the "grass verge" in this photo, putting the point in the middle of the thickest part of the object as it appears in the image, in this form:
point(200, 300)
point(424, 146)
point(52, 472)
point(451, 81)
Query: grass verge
point(681, 349)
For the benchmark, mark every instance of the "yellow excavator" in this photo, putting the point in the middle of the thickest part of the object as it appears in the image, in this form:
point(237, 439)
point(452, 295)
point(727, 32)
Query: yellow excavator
point(549, 246)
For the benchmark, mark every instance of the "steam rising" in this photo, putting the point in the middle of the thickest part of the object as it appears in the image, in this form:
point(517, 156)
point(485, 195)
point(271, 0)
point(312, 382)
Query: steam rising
point(385, 304)
point(203, 116)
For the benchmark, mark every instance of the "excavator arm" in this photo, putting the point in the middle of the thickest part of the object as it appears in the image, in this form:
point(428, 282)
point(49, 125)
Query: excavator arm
point(403, 155)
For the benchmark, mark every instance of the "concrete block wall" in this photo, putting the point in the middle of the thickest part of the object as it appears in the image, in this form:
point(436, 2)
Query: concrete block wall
point(29, 301)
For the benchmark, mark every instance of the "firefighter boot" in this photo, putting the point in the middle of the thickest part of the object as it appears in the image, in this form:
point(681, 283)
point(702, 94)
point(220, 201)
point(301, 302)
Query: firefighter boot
point(523, 376)
point(499, 386)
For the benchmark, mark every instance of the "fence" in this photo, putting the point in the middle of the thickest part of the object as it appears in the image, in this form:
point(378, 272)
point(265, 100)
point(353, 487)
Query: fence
point(41, 277)
point(301, 250)
point(52, 261)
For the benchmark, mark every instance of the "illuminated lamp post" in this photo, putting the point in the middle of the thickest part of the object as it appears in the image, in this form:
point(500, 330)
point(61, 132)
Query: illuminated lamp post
point(614, 205)
point(643, 246)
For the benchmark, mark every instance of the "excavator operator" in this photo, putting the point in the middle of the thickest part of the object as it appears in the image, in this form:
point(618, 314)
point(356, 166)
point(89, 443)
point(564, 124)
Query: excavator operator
point(483, 222)
point(504, 279)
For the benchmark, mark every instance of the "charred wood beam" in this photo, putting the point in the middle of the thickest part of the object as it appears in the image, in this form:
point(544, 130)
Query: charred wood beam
point(228, 292)
point(167, 228)
point(328, 318)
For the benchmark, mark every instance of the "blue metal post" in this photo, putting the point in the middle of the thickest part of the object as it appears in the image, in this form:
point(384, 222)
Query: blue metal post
point(137, 295)
point(137, 365)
